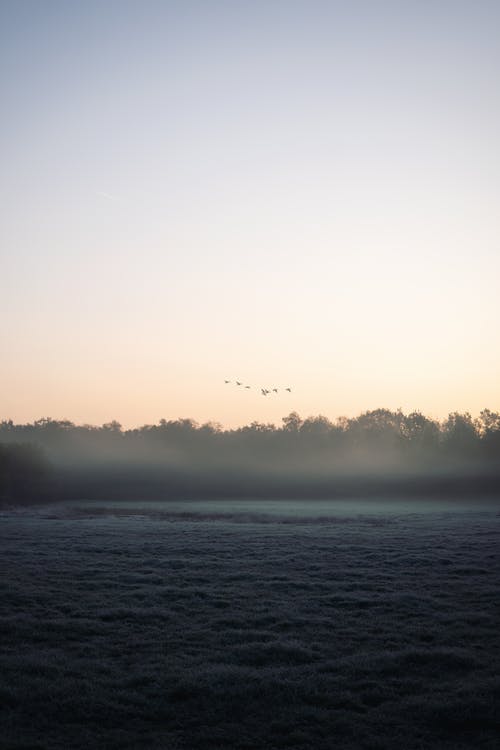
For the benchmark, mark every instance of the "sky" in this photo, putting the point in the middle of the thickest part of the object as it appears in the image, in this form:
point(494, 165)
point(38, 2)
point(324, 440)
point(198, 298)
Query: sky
point(298, 194)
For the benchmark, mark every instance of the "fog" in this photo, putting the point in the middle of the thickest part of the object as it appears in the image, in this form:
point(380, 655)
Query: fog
point(378, 451)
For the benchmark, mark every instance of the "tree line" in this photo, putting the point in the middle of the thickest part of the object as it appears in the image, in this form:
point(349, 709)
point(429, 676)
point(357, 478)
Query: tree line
point(381, 429)
point(181, 453)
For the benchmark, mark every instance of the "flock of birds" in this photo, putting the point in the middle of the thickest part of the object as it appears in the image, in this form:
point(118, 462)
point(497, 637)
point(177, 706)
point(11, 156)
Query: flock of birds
point(264, 391)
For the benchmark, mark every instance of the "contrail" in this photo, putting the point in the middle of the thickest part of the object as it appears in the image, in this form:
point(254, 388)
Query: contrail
point(109, 196)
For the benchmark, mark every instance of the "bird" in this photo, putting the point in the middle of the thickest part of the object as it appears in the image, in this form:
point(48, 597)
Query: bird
point(264, 391)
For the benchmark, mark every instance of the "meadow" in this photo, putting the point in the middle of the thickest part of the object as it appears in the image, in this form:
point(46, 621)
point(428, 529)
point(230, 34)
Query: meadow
point(250, 625)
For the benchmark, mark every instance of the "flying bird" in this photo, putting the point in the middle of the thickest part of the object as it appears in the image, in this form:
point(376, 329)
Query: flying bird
point(104, 194)
point(264, 391)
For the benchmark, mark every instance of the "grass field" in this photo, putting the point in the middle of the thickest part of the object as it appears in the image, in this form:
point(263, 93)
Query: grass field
point(250, 626)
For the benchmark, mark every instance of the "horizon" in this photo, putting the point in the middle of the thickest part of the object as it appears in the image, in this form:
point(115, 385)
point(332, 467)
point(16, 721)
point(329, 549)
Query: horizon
point(333, 420)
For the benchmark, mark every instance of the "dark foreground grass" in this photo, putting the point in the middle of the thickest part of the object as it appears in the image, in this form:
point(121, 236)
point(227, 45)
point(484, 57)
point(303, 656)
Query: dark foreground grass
point(200, 633)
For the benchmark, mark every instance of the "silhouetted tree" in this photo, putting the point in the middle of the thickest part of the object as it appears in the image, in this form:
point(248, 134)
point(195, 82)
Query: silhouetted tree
point(292, 422)
point(488, 427)
point(459, 435)
point(419, 431)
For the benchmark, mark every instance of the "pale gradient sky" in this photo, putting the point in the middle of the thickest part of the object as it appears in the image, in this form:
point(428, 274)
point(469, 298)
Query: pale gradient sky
point(289, 193)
